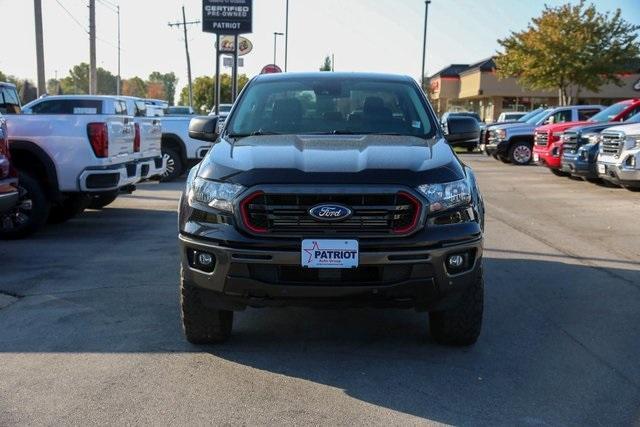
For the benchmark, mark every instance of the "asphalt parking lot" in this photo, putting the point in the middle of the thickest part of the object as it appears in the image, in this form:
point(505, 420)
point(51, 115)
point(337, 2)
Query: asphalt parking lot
point(90, 330)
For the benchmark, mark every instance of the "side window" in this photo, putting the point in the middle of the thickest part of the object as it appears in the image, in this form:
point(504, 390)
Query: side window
point(120, 108)
point(587, 113)
point(561, 116)
point(141, 109)
point(47, 107)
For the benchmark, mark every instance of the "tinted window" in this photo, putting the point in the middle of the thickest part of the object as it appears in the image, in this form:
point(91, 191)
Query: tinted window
point(328, 105)
point(632, 112)
point(587, 113)
point(537, 118)
point(141, 108)
point(68, 106)
point(9, 102)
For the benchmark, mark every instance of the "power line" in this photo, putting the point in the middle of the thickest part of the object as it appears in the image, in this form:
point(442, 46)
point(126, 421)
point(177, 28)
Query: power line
point(72, 17)
point(112, 7)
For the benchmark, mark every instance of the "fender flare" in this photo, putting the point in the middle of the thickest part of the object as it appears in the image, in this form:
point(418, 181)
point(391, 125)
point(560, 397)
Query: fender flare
point(179, 141)
point(52, 189)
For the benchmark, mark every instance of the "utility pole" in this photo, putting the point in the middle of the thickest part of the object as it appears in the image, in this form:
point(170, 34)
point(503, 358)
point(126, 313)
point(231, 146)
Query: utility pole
point(333, 62)
point(424, 43)
point(93, 74)
point(275, 45)
point(42, 83)
point(119, 82)
point(184, 24)
point(286, 39)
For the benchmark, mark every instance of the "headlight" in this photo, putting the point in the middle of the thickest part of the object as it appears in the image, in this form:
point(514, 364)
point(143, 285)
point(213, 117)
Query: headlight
point(446, 196)
point(636, 138)
point(501, 133)
point(217, 195)
point(565, 137)
point(593, 138)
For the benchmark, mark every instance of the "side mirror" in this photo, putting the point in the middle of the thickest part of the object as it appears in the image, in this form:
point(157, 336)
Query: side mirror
point(462, 129)
point(204, 128)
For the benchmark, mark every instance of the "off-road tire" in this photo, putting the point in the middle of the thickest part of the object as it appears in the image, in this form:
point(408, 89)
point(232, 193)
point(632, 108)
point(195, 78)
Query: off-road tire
point(461, 324)
point(515, 158)
point(31, 194)
point(69, 208)
point(201, 324)
point(175, 168)
point(102, 200)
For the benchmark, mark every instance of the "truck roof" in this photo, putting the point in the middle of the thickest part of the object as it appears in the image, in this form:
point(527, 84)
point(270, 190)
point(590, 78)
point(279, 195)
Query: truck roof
point(334, 76)
point(83, 97)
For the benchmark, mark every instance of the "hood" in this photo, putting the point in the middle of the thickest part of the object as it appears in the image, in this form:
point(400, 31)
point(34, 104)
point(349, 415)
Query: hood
point(594, 127)
point(516, 127)
point(331, 159)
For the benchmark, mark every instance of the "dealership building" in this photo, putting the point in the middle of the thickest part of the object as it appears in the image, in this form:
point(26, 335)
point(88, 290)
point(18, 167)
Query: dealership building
point(476, 87)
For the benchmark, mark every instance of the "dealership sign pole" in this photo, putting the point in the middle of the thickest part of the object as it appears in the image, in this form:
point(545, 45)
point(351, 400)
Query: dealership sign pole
point(227, 17)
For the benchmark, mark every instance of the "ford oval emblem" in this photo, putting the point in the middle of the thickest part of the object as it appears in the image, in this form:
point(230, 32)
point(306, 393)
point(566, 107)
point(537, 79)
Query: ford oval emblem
point(330, 212)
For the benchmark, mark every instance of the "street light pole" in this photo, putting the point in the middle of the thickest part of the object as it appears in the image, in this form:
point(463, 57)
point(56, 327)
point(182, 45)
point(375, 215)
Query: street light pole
point(424, 42)
point(275, 45)
point(119, 76)
point(286, 39)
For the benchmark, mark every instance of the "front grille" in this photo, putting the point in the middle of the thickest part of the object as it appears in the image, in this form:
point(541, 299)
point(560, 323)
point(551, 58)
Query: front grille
point(364, 275)
point(612, 143)
point(288, 214)
point(571, 142)
point(541, 138)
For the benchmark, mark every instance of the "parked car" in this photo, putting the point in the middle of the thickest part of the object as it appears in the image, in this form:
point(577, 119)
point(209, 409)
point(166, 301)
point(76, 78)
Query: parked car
point(146, 147)
point(9, 99)
point(67, 149)
point(513, 142)
point(619, 157)
point(510, 116)
point(472, 143)
point(365, 204)
point(225, 109)
point(486, 131)
point(9, 195)
point(179, 110)
point(548, 142)
point(581, 145)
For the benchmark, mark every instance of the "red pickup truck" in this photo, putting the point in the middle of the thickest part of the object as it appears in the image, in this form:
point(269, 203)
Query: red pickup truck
point(547, 149)
point(8, 179)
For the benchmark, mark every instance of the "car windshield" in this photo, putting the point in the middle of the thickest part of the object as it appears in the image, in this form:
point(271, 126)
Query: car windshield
point(609, 113)
point(313, 105)
point(633, 119)
point(529, 115)
point(537, 119)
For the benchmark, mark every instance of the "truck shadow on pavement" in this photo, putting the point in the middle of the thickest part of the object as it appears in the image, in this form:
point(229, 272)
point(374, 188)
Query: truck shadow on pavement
point(559, 345)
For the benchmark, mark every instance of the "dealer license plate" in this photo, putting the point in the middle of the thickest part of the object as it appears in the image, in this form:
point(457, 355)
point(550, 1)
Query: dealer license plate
point(325, 253)
point(602, 168)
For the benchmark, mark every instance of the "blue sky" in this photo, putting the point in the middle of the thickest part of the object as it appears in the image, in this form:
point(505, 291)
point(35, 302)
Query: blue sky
point(364, 35)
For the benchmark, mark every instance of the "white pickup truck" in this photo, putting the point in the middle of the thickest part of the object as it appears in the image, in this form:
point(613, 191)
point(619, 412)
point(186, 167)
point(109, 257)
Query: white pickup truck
point(619, 156)
point(71, 148)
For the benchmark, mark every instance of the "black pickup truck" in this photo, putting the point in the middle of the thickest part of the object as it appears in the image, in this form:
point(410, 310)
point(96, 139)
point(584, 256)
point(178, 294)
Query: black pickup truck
point(332, 189)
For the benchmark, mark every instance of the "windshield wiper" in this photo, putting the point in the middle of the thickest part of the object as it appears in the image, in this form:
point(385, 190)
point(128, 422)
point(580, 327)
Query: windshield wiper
point(255, 133)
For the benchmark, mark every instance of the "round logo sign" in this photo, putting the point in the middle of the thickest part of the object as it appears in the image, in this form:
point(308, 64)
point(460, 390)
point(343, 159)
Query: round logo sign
point(227, 45)
point(328, 212)
point(271, 69)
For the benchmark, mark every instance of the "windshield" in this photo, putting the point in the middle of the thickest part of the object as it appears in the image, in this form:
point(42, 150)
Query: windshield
point(534, 120)
point(609, 113)
point(530, 114)
point(633, 119)
point(315, 105)
point(9, 102)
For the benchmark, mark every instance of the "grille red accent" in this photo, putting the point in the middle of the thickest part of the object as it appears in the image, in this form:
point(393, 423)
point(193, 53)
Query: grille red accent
point(417, 209)
point(245, 213)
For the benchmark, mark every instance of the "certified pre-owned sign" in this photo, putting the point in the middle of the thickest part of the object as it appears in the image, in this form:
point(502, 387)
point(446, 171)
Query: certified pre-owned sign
point(227, 16)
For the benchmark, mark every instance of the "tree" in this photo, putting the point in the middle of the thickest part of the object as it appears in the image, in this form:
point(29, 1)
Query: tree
point(155, 90)
point(204, 89)
point(28, 92)
point(327, 66)
point(3, 77)
point(169, 82)
point(570, 48)
point(134, 86)
point(78, 81)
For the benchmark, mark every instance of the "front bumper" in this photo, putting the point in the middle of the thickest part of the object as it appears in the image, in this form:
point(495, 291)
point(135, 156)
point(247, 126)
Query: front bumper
point(109, 178)
point(549, 156)
point(621, 172)
point(413, 277)
point(8, 194)
point(496, 147)
point(580, 164)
